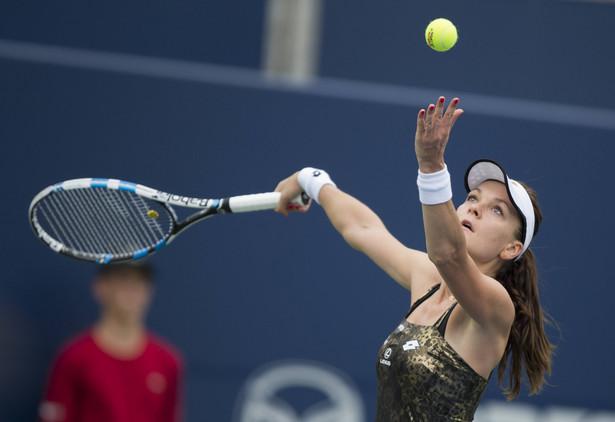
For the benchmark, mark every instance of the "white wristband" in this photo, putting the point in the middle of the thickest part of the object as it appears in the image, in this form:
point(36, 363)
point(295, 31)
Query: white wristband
point(312, 180)
point(434, 188)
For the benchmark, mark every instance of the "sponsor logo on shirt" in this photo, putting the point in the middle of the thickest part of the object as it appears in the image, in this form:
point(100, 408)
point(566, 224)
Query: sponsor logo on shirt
point(387, 354)
point(411, 345)
point(400, 327)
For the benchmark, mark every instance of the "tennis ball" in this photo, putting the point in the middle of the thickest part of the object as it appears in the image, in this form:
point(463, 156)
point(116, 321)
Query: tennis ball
point(441, 34)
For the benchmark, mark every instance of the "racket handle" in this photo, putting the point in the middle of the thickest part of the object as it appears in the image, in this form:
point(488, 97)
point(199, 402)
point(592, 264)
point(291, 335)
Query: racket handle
point(261, 201)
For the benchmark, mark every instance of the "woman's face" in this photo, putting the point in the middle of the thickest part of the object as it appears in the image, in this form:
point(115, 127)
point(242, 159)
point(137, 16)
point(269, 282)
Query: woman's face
point(489, 222)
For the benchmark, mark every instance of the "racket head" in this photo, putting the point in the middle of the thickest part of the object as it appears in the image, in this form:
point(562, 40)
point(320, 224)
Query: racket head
point(101, 220)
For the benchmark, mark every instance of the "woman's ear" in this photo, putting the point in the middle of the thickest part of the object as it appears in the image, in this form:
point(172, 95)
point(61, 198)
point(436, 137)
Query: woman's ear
point(511, 251)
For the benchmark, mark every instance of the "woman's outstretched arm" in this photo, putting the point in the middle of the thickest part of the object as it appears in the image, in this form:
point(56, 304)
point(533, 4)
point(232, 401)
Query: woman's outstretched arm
point(364, 231)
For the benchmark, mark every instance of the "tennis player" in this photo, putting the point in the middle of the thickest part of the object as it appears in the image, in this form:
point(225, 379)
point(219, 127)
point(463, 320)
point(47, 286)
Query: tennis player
point(474, 293)
point(117, 370)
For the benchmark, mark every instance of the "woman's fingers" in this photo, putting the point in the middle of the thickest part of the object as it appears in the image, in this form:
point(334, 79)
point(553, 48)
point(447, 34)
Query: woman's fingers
point(284, 202)
point(289, 188)
point(432, 132)
point(450, 112)
point(458, 112)
point(439, 108)
point(420, 121)
point(430, 120)
point(429, 116)
point(283, 206)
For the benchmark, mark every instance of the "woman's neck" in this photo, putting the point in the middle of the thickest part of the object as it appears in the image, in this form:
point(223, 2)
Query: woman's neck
point(489, 268)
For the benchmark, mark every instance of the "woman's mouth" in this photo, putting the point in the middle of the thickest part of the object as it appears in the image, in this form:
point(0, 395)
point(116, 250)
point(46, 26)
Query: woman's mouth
point(467, 225)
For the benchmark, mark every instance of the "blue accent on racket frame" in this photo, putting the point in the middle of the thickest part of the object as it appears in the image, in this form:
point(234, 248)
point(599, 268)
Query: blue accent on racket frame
point(140, 253)
point(216, 204)
point(99, 183)
point(160, 244)
point(128, 186)
point(104, 260)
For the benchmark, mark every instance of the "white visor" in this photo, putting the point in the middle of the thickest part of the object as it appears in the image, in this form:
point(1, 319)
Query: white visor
point(482, 170)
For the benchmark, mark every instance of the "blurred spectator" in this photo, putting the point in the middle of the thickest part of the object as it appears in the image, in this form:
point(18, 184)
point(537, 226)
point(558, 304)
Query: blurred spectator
point(116, 370)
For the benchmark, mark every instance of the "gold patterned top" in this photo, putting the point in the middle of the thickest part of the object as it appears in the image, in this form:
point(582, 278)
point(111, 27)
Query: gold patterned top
point(422, 378)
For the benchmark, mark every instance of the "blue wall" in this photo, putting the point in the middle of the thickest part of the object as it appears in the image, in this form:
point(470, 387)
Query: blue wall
point(238, 292)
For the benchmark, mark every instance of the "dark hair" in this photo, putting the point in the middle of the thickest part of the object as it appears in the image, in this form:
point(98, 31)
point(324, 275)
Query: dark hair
point(528, 345)
point(143, 268)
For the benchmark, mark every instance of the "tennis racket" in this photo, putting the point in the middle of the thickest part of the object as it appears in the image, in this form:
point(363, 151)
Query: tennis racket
point(110, 220)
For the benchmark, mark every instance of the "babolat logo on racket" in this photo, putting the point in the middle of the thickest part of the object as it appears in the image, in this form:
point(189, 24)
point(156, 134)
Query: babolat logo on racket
point(179, 199)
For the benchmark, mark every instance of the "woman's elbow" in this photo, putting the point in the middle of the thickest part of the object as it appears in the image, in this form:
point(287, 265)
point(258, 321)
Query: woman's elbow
point(358, 235)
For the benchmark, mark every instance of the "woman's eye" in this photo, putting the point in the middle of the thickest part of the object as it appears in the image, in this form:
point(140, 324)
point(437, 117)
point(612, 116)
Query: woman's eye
point(498, 211)
point(471, 199)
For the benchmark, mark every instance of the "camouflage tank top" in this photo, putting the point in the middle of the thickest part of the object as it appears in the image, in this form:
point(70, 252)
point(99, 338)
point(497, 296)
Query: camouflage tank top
point(422, 378)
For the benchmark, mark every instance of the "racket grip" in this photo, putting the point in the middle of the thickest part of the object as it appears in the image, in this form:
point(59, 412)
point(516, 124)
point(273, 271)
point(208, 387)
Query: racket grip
point(261, 201)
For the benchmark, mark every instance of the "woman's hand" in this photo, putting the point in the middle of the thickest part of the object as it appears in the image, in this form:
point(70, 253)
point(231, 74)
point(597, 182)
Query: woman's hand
point(290, 189)
point(432, 131)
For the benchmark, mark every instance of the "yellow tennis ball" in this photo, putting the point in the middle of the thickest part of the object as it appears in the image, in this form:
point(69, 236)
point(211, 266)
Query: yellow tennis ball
point(441, 34)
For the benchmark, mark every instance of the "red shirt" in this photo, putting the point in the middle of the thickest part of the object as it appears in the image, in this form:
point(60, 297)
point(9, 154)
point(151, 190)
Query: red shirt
point(87, 384)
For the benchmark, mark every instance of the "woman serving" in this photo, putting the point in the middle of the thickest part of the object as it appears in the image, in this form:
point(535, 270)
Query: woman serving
point(474, 293)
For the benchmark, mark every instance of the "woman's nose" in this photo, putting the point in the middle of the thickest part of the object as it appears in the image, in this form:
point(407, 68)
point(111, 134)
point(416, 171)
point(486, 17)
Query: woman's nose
point(474, 209)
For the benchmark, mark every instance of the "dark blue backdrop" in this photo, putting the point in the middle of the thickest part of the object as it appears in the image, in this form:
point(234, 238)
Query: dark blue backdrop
point(241, 291)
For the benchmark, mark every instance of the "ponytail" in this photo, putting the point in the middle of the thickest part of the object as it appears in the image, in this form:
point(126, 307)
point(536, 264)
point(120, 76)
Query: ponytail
point(528, 345)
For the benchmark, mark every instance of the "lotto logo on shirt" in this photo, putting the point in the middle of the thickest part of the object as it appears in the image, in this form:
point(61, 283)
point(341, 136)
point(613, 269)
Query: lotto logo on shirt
point(411, 345)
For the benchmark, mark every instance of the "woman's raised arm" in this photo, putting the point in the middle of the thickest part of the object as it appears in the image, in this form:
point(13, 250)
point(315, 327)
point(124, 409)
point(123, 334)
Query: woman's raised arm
point(482, 297)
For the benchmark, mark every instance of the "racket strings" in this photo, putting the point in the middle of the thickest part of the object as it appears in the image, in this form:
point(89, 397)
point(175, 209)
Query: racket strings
point(50, 215)
point(150, 223)
point(78, 221)
point(127, 220)
point(138, 207)
point(118, 228)
point(98, 221)
point(91, 241)
point(61, 214)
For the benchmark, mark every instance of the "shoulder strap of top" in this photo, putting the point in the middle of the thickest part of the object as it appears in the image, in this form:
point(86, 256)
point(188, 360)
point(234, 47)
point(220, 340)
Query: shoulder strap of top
point(423, 298)
point(443, 320)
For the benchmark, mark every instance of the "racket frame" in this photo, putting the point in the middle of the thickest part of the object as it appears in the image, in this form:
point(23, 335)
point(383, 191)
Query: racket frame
point(208, 207)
